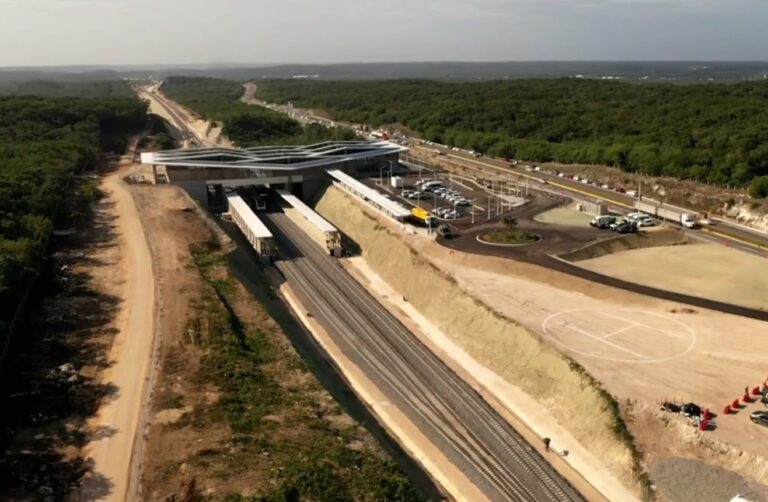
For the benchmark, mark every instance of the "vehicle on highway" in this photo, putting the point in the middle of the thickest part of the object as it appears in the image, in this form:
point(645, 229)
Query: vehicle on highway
point(759, 417)
point(603, 221)
point(464, 202)
point(452, 215)
point(408, 193)
point(646, 222)
point(689, 220)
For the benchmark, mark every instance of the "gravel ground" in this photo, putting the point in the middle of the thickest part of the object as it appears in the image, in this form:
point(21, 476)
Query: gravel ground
point(684, 479)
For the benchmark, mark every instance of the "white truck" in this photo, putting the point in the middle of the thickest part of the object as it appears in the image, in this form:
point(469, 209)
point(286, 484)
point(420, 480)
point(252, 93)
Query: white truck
point(689, 220)
point(397, 182)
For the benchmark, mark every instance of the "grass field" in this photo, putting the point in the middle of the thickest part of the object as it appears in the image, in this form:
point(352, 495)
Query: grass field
point(705, 270)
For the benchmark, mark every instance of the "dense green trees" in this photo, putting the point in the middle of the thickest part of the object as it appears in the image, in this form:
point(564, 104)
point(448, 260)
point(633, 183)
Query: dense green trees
point(714, 133)
point(759, 188)
point(43, 141)
point(247, 125)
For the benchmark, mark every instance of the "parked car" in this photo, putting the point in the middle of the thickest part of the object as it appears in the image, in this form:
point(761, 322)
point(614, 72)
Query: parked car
point(646, 222)
point(759, 417)
point(464, 202)
point(604, 221)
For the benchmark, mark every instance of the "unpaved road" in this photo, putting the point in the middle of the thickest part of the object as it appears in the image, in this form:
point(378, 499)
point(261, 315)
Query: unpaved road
point(114, 428)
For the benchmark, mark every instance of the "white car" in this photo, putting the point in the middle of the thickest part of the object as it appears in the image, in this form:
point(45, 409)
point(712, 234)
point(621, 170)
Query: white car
point(464, 202)
point(453, 215)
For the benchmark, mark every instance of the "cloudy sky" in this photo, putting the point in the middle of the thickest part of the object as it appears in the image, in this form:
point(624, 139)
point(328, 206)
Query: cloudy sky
point(52, 32)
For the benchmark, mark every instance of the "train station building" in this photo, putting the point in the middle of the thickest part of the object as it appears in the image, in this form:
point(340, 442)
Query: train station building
point(208, 173)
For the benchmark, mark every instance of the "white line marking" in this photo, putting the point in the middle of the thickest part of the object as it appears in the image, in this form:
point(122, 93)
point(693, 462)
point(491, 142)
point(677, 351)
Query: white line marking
point(673, 335)
point(610, 344)
point(622, 330)
point(547, 326)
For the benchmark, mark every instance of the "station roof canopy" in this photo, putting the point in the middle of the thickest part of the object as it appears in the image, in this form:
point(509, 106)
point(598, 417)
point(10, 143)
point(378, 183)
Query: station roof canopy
point(278, 158)
point(378, 199)
point(307, 212)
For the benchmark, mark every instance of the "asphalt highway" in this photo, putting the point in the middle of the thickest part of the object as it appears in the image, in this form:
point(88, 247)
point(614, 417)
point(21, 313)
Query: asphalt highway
point(452, 415)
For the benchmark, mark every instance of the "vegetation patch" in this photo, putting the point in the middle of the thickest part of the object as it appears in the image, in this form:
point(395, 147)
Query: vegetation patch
point(279, 436)
point(505, 236)
point(657, 129)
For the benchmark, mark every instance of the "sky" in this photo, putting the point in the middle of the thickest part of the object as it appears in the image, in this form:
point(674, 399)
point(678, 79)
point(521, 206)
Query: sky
point(114, 32)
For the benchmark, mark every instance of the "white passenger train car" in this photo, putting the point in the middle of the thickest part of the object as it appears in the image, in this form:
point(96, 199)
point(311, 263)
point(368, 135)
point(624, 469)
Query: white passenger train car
point(253, 228)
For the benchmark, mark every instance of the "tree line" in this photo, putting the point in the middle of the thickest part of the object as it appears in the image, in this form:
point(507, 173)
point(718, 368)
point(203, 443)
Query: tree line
point(706, 132)
point(43, 142)
point(246, 125)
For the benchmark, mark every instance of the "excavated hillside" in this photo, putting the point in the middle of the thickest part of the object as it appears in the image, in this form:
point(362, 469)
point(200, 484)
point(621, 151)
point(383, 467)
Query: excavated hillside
point(508, 349)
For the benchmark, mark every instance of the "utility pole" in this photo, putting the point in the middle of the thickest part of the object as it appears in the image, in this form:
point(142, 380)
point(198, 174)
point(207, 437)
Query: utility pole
point(472, 211)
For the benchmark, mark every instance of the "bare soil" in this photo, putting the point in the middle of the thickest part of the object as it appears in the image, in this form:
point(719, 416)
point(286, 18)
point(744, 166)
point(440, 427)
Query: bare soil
point(499, 344)
point(611, 245)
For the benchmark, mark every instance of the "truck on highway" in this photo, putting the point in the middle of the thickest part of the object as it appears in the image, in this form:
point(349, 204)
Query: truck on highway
point(689, 220)
point(397, 182)
point(422, 216)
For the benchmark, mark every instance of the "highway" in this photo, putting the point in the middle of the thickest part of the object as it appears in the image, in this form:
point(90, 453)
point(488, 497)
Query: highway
point(452, 415)
point(181, 122)
point(742, 237)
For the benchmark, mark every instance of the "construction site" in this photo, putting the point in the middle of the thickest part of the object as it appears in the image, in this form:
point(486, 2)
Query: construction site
point(505, 342)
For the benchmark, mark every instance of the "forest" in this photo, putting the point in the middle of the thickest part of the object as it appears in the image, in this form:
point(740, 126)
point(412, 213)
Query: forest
point(246, 125)
point(81, 89)
point(43, 143)
point(706, 132)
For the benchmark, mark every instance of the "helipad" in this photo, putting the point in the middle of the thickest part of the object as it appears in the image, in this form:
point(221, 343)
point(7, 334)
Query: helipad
point(620, 335)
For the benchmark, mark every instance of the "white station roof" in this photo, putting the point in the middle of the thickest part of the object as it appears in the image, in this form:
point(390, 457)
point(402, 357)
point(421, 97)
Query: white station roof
point(307, 212)
point(278, 158)
point(254, 224)
point(395, 209)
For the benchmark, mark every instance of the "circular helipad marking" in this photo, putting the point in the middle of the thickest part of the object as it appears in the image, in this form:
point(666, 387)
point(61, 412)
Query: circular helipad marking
point(620, 335)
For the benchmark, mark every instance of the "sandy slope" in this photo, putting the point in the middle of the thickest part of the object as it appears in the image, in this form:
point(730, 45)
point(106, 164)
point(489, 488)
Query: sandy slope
point(111, 452)
point(501, 346)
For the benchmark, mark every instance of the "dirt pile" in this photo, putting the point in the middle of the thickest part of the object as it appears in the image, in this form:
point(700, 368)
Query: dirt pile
point(641, 240)
point(509, 350)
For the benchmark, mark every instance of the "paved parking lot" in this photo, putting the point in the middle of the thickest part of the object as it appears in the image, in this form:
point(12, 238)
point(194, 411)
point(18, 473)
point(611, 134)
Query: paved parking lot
point(484, 204)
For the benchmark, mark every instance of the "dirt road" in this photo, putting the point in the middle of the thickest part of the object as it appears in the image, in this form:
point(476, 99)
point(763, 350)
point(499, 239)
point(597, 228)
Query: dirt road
point(114, 428)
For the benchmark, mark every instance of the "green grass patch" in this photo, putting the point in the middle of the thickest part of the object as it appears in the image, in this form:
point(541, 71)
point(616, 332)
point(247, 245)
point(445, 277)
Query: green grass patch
point(512, 237)
point(276, 421)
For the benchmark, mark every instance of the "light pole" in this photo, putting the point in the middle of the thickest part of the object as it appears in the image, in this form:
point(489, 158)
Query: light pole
point(472, 212)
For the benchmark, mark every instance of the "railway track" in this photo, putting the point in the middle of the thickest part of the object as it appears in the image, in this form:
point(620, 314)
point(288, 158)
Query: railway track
point(444, 407)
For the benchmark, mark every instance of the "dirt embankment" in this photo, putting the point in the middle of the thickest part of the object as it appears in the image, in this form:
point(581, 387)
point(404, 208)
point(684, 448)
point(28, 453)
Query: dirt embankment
point(236, 414)
point(506, 348)
point(641, 240)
